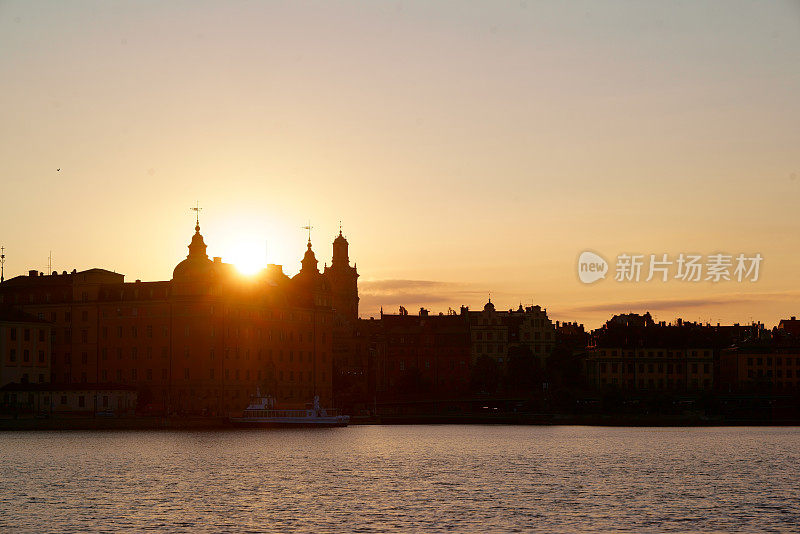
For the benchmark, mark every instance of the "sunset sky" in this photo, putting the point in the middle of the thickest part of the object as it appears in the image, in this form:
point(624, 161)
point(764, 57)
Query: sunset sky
point(466, 147)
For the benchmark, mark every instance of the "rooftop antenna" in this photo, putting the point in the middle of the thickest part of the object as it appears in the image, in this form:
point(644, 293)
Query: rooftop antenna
point(50, 263)
point(308, 227)
point(197, 209)
point(2, 262)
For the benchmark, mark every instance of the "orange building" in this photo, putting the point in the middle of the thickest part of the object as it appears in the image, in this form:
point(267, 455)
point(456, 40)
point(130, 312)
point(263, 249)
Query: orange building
point(24, 347)
point(761, 368)
point(651, 368)
point(200, 343)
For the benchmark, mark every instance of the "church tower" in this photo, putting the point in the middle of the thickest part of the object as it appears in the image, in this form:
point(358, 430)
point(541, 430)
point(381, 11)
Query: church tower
point(343, 280)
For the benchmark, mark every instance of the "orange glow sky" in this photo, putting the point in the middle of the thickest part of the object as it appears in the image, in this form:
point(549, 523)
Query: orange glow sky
point(466, 146)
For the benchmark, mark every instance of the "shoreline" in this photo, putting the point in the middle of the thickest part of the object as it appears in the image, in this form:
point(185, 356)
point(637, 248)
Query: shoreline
point(219, 424)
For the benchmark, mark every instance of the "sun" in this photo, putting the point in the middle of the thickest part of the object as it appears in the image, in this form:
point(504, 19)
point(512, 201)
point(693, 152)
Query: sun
point(247, 258)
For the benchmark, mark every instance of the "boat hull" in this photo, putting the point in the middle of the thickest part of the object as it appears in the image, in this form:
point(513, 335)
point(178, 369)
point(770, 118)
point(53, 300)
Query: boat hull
point(299, 422)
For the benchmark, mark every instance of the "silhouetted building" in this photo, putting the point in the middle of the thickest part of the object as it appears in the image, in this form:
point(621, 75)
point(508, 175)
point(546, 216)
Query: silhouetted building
point(499, 334)
point(24, 347)
point(426, 355)
point(790, 327)
point(343, 280)
point(69, 399)
point(633, 352)
point(764, 367)
point(200, 343)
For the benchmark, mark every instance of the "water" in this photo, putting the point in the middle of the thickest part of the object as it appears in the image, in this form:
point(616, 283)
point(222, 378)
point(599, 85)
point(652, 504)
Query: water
point(403, 479)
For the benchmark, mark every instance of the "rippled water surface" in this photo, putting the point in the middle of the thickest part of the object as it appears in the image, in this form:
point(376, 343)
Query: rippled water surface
point(403, 478)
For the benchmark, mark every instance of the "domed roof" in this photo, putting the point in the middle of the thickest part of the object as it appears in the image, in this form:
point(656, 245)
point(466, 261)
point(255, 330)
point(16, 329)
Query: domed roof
point(197, 262)
point(488, 306)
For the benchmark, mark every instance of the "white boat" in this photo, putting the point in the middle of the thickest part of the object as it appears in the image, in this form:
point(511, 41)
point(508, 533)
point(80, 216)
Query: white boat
point(262, 412)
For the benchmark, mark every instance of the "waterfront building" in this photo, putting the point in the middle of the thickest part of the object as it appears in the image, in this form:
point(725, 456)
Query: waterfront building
point(633, 352)
point(200, 343)
point(24, 347)
point(69, 399)
point(761, 368)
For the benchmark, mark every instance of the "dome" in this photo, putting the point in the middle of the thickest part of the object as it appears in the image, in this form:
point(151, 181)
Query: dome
point(197, 262)
point(192, 267)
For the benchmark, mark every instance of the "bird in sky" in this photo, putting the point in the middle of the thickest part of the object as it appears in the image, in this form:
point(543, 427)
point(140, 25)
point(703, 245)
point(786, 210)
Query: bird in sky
point(58, 170)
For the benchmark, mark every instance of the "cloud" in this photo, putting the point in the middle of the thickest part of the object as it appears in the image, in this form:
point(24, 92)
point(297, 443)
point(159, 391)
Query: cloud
point(393, 293)
point(682, 304)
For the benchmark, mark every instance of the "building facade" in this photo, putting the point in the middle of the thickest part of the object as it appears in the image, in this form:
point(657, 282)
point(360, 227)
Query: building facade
point(200, 343)
point(24, 347)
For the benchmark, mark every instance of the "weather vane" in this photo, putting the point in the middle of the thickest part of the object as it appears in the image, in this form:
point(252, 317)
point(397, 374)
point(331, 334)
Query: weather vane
point(2, 262)
point(197, 210)
point(308, 227)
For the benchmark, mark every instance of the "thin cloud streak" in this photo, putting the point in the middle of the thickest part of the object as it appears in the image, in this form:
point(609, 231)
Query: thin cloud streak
point(409, 293)
point(680, 304)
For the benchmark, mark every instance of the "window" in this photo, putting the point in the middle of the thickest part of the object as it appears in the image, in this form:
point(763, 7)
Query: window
point(12, 355)
point(41, 356)
point(27, 334)
point(26, 355)
point(81, 401)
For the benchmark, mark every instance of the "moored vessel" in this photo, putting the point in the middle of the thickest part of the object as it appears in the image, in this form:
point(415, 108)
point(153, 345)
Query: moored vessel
point(261, 412)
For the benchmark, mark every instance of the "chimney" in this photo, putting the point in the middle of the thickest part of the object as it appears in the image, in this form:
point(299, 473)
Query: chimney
point(32, 272)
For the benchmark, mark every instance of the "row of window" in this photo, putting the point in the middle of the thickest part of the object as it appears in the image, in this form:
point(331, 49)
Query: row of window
point(279, 335)
point(121, 376)
point(657, 353)
point(779, 373)
point(26, 356)
point(660, 383)
point(402, 364)
point(26, 333)
point(651, 368)
point(779, 360)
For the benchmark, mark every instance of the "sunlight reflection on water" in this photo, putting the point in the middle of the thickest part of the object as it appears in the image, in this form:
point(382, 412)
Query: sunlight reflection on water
point(402, 478)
